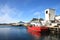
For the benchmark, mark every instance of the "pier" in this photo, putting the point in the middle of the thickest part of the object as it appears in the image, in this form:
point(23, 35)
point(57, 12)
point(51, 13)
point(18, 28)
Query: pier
point(55, 30)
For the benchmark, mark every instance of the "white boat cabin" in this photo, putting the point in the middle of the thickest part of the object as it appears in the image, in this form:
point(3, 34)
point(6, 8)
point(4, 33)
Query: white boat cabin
point(36, 23)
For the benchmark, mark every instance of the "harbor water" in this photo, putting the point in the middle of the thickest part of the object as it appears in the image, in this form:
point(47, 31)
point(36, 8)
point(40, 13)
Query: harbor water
point(21, 33)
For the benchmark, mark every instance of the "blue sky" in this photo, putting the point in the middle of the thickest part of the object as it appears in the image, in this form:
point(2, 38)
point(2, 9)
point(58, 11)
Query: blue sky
point(25, 10)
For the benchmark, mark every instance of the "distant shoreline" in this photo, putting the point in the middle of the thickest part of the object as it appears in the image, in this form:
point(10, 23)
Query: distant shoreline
point(9, 25)
point(5, 25)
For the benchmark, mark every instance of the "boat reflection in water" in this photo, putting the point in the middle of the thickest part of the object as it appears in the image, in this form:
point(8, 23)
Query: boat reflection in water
point(38, 36)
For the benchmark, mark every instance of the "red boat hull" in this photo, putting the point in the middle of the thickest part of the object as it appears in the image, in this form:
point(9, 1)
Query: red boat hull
point(38, 29)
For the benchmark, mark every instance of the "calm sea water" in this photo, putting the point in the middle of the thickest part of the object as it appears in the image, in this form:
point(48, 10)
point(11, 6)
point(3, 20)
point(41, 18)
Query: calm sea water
point(21, 33)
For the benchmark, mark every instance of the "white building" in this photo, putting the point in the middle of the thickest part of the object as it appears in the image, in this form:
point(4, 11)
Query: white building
point(57, 18)
point(49, 14)
point(50, 17)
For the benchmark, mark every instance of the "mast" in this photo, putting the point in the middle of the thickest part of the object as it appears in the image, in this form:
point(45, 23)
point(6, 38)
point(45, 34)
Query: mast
point(39, 19)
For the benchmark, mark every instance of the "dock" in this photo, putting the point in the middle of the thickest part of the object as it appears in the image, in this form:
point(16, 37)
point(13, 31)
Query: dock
point(55, 30)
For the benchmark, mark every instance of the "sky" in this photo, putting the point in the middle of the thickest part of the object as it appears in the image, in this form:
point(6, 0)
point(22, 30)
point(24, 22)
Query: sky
point(24, 10)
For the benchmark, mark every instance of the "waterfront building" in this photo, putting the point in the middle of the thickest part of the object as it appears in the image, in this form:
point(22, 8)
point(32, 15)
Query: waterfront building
point(50, 18)
point(49, 14)
point(57, 18)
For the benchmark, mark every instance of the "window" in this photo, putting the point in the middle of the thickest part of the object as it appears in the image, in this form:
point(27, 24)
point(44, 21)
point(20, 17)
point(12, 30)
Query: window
point(46, 12)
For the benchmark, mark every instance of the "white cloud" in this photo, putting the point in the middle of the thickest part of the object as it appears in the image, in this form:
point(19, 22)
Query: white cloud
point(7, 14)
point(37, 14)
point(6, 19)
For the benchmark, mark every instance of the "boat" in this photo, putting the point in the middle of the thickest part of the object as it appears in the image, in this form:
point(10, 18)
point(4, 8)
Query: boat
point(38, 27)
